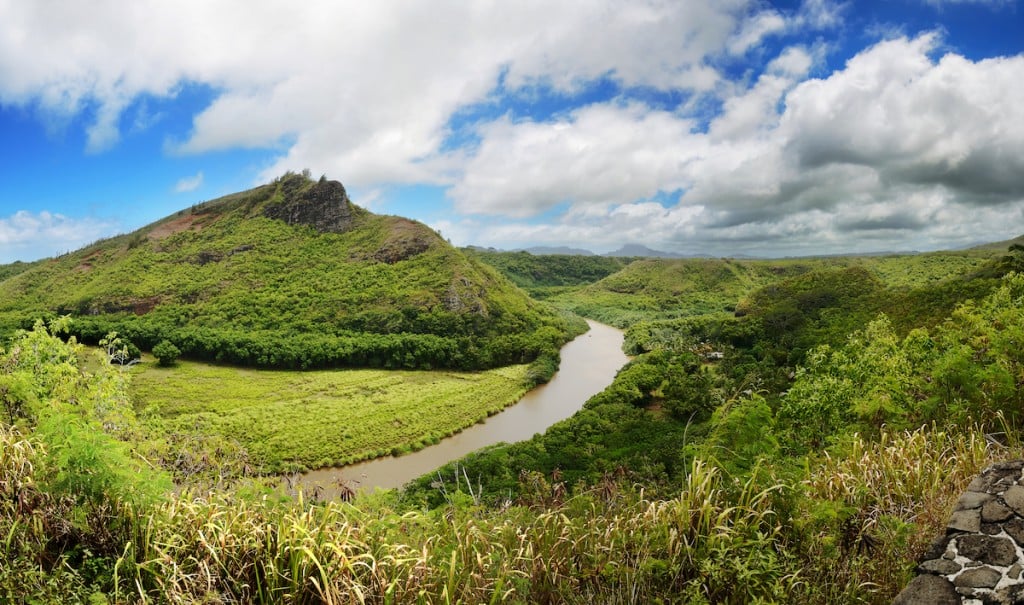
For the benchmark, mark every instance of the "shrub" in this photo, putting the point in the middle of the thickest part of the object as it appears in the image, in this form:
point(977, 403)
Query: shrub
point(166, 353)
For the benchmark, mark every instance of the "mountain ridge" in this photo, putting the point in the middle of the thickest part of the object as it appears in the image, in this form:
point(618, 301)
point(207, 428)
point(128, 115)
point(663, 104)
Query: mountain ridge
point(291, 274)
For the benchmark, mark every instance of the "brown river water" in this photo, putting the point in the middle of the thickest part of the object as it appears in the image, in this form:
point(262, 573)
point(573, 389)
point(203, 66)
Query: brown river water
point(588, 365)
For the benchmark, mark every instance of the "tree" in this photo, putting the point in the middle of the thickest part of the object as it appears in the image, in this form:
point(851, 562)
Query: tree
point(166, 353)
point(119, 350)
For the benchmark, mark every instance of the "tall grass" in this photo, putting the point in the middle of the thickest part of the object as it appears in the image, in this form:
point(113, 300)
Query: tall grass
point(845, 529)
point(870, 509)
point(617, 547)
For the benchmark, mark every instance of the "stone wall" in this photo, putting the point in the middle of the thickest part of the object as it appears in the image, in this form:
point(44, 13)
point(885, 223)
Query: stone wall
point(979, 560)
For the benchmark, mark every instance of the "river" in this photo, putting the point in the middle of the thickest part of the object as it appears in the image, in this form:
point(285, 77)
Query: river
point(588, 365)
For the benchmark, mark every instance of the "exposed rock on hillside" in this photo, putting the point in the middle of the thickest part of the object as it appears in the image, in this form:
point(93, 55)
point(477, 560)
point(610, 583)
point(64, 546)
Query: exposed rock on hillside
point(324, 206)
point(405, 240)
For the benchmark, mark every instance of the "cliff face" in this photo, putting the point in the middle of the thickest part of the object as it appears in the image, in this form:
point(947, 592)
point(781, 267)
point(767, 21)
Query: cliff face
point(324, 206)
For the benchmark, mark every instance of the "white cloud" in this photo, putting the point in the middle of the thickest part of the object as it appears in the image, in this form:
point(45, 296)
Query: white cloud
point(886, 150)
point(31, 235)
point(819, 14)
point(755, 30)
point(363, 91)
point(894, 151)
point(600, 154)
point(189, 183)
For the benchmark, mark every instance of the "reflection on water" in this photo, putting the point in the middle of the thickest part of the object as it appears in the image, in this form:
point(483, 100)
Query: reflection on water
point(588, 365)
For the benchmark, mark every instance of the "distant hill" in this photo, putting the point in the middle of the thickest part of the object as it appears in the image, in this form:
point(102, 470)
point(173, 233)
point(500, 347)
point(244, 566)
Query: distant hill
point(12, 269)
point(542, 274)
point(641, 250)
point(650, 289)
point(1000, 246)
point(558, 250)
point(291, 274)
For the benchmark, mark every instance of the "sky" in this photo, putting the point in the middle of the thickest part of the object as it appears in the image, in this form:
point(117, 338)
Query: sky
point(719, 127)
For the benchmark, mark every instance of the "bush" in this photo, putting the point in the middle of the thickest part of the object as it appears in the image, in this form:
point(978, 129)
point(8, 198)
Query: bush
point(166, 353)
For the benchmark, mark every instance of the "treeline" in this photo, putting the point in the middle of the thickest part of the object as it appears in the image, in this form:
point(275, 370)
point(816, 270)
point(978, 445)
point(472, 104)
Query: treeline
point(537, 271)
point(313, 350)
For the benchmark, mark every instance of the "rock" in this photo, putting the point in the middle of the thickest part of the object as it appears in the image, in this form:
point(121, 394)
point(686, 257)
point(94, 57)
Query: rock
point(404, 240)
point(994, 511)
point(978, 577)
point(1010, 594)
point(965, 520)
point(941, 567)
point(981, 483)
point(987, 549)
point(1014, 498)
point(928, 590)
point(973, 500)
point(1014, 572)
point(324, 206)
point(1015, 529)
point(936, 550)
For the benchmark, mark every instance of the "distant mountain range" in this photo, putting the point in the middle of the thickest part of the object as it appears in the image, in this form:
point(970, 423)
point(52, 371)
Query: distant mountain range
point(630, 250)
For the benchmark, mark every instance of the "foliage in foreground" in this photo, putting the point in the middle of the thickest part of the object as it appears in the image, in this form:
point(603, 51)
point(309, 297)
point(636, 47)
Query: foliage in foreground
point(764, 539)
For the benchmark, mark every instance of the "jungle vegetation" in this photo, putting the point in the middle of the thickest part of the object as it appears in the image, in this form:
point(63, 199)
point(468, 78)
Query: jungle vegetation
point(791, 431)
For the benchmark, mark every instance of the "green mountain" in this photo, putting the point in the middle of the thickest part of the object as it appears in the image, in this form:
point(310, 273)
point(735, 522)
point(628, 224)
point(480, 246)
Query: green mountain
point(291, 274)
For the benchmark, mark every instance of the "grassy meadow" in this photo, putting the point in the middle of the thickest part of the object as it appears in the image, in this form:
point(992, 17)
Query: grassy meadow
point(291, 420)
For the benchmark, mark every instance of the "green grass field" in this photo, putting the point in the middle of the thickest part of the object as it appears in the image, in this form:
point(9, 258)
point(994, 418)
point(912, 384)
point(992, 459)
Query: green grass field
point(290, 420)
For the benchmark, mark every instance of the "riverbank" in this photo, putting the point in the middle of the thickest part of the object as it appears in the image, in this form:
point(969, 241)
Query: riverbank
point(288, 421)
point(588, 365)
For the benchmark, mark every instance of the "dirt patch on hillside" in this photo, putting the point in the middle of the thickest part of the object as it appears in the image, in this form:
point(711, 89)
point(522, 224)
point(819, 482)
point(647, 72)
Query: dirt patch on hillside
point(405, 239)
point(141, 306)
point(85, 266)
point(175, 225)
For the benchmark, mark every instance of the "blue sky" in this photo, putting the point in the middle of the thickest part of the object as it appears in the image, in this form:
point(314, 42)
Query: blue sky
point(719, 127)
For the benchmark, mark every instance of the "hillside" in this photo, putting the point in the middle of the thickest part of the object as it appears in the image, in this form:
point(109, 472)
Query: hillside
point(660, 289)
point(544, 275)
point(290, 274)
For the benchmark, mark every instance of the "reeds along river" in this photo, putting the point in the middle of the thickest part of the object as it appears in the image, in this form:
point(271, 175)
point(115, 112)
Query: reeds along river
point(588, 365)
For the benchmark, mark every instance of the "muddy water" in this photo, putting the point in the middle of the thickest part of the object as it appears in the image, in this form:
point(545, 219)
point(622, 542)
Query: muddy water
point(588, 365)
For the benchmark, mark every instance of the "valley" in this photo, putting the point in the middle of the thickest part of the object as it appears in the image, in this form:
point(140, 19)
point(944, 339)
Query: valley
point(737, 427)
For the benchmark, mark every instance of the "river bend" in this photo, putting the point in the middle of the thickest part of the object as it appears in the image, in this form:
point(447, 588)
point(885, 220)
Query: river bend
point(588, 365)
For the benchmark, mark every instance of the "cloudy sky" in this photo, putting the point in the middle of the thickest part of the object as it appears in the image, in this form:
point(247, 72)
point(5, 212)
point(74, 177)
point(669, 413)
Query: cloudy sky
point(696, 126)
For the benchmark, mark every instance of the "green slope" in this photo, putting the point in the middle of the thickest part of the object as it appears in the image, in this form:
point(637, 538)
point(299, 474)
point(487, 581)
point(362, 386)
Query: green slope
point(291, 274)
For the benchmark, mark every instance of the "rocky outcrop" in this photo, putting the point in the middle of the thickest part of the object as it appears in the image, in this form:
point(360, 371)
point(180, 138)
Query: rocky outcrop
point(980, 558)
point(324, 206)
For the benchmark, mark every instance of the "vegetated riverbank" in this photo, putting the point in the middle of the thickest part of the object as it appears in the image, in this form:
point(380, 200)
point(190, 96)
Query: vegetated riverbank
point(288, 421)
point(588, 365)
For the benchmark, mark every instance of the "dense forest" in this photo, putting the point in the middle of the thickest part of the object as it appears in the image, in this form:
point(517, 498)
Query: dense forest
point(787, 430)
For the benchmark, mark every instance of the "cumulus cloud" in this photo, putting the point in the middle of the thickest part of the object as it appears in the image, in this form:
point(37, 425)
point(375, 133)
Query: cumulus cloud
point(364, 91)
point(756, 29)
point(884, 151)
point(189, 183)
point(899, 148)
point(596, 155)
point(40, 234)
